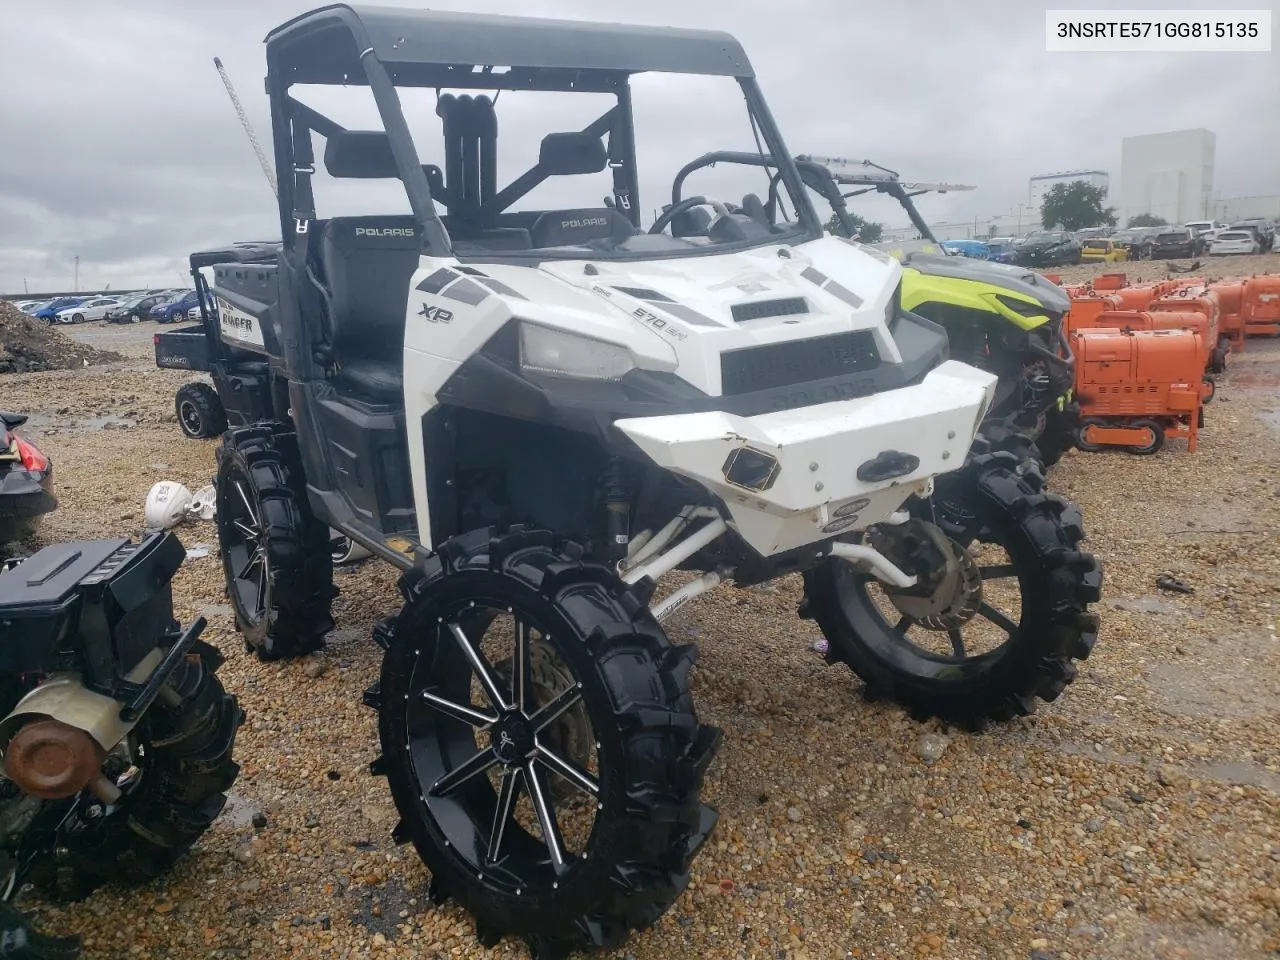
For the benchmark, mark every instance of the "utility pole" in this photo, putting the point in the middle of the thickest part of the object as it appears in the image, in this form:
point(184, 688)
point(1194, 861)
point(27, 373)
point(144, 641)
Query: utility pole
point(76, 285)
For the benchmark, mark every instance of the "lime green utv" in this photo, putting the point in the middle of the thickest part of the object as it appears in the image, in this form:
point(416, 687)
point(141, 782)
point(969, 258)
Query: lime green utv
point(1003, 318)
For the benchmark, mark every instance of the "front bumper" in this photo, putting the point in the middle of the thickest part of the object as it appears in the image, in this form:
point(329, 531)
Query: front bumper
point(814, 491)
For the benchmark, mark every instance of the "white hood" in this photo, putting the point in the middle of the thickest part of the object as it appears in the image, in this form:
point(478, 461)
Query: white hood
point(682, 311)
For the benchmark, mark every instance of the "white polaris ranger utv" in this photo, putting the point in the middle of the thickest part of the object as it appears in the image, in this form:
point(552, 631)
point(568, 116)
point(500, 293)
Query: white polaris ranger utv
point(537, 408)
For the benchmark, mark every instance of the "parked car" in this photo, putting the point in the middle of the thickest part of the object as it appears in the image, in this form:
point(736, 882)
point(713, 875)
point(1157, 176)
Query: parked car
point(1234, 241)
point(1205, 229)
point(1264, 229)
point(1000, 249)
point(1137, 241)
point(974, 249)
point(134, 309)
point(95, 308)
point(1173, 242)
point(1091, 233)
point(1048, 248)
point(175, 308)
point(49, 311)
point(1102, 250)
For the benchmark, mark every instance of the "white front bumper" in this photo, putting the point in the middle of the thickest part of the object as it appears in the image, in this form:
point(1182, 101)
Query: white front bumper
point(819, 450)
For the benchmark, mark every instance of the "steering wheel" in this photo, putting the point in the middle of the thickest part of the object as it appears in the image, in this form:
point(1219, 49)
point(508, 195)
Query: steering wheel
point(664, 218)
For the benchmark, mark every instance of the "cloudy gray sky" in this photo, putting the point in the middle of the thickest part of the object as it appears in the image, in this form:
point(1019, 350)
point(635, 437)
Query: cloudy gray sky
point(120, 145)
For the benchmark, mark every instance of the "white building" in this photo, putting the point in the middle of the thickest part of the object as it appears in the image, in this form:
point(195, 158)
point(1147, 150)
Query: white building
point(1169, 175)
point(1231, 209)
point(1042, 183)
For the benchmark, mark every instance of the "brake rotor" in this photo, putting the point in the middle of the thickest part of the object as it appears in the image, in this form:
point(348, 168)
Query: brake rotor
point(571, 735)
point(952, 592)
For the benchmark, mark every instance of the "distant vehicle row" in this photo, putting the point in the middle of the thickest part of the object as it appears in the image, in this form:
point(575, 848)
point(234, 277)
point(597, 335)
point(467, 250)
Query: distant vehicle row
point(162, 306)
point(1056, 248)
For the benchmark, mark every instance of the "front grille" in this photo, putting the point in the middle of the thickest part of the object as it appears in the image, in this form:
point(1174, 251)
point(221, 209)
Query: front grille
point(760, 309)
point(797, 361)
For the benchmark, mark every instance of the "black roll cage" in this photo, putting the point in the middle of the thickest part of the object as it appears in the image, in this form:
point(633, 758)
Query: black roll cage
point(818, 177)
point(293, 123)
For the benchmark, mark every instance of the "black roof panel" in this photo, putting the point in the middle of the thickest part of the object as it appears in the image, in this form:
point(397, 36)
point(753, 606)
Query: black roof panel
point(408, 36)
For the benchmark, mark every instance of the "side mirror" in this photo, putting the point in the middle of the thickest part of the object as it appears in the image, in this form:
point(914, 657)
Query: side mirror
point(568, 154)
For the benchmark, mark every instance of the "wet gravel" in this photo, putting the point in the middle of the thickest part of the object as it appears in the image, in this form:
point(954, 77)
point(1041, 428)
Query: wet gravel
point(1138, 817)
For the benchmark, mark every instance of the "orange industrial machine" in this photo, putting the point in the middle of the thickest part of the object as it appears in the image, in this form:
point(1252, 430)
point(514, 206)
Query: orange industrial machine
point(1139, 296)
point(1230, 303)
point(1137, 388)
point(1166, 320)
point(1085, 309)
point(1106, 282)
point(1198, 298)
point(1260, 306)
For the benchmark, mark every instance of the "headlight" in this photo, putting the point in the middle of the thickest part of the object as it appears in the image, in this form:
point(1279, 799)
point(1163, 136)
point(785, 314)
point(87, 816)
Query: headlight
point(560, 354)
point(1023, 307)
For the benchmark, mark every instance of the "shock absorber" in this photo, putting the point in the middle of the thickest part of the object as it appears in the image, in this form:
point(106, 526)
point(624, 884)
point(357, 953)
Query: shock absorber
point(616, 486)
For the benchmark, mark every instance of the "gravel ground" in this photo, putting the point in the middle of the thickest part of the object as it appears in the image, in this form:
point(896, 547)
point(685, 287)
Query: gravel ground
point(1138, 817)
point(1212, 268)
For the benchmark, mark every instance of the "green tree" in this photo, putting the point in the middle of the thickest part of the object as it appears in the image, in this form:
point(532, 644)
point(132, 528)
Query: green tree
point(1075, 206)
point(868, 231)
point(1147, 220)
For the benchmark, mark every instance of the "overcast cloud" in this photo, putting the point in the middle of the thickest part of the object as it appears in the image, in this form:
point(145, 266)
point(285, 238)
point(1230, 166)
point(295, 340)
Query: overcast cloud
point(120, 145)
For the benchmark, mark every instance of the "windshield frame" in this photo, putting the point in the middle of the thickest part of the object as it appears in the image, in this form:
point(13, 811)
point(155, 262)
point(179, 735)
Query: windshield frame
point(293, 123)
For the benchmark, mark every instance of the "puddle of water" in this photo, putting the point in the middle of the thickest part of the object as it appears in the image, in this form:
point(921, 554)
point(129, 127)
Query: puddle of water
point(1164, 940)
point(239, 811)
point(1148, 604)
point(46, 421)
point(1244, 774)
point(1228, 680)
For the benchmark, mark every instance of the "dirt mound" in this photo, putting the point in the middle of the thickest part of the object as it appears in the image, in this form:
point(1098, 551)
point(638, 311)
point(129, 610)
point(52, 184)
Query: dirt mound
point(28, 345)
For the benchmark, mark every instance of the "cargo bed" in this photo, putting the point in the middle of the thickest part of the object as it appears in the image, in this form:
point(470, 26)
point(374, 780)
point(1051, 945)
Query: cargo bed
point(186, 348)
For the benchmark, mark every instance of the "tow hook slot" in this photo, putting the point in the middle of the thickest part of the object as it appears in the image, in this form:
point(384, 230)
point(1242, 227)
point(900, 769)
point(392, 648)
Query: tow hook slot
point(887, 465)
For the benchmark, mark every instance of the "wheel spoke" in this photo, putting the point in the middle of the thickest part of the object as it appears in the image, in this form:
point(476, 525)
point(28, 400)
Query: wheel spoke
point(503, 812)
point(250, 533)
point(538, 793)
point(550, 712)
point(902, 626)
point(481, 667)
point(998, 618)
point(262, 588)
point(520, 666)
point(254, 559)
point(957, 642)
point(244, 498)
point(467, 714)
point(459, 775)
point(999, 571)
point(570, 771)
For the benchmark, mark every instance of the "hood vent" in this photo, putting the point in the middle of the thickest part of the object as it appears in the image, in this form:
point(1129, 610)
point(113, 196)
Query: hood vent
point(760, 309)
point(643, 293)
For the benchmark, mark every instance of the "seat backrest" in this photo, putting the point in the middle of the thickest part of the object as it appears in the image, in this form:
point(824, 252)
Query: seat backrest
point(567, 228)
point(368, 262)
